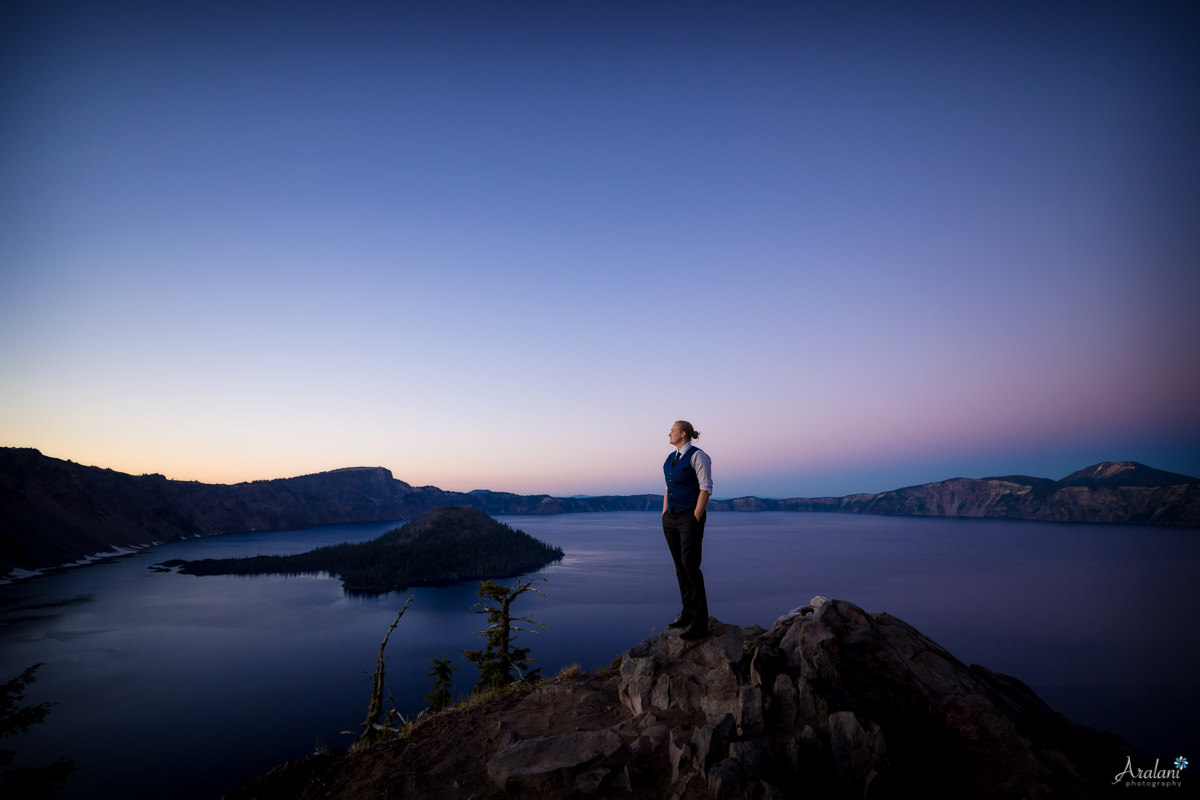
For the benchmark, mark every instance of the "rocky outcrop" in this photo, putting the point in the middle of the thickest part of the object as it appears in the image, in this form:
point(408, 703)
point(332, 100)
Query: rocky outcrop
point(589, 758)
point(830, 702)
point(833, 701)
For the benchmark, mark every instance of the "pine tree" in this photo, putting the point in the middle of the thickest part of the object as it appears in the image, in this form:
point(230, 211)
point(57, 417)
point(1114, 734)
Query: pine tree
point(26, 781)
point(501, 662)
point(442, 673)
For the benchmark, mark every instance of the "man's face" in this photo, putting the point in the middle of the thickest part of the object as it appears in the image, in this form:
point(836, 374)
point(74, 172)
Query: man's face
point(675, 436)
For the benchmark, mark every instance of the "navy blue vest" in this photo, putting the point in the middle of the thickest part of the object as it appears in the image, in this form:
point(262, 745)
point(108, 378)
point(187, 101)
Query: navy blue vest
point(683, 487)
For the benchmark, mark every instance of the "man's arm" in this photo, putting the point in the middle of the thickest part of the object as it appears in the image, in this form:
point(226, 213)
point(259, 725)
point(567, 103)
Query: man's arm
point(703, 466)
point(665, 500)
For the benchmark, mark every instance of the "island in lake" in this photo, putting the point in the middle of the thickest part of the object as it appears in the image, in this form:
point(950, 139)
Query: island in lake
point(446, 545)
point(58, 513)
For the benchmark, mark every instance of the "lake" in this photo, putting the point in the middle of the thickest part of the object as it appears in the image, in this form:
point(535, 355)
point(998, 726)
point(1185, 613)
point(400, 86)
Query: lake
point(199, 683)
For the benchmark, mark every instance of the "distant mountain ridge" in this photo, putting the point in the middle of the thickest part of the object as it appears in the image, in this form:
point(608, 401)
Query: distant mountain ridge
point(1108, 492)
point(56, 512)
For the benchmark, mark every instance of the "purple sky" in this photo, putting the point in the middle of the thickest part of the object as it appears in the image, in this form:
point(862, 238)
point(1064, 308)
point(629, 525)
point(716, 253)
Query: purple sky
point(505, 245)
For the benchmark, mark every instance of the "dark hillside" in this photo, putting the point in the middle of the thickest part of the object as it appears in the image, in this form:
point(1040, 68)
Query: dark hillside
point(448, 544)
point(1124, 473)
point(56, 512)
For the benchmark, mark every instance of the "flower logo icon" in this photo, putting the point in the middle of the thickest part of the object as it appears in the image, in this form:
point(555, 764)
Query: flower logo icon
point(1181, 763)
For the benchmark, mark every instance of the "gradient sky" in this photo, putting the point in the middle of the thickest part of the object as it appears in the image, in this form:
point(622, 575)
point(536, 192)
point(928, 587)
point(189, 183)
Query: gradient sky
point(505, 245)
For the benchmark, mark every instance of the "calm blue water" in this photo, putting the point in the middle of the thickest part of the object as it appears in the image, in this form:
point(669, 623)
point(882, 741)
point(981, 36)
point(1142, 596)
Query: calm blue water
point(205, 682)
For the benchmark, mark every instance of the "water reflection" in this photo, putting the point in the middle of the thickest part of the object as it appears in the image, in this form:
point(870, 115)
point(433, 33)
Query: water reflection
point(159, 675)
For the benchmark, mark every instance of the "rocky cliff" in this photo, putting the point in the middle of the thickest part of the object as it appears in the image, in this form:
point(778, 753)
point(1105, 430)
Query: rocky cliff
point(830, 702)
point(55, 512)
point(1111, 492)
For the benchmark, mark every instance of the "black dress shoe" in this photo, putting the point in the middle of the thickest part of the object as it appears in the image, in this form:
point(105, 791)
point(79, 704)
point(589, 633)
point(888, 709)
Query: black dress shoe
point(695, 632)
point(680, 623)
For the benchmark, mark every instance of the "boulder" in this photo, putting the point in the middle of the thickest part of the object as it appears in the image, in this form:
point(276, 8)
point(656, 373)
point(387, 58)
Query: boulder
point(637, 683)
point(717, 693)
point(725, 781)
point(590, 782)
point(723, 646)
point(541, 763)
point(753, 757)
point(767, 663)
point(681, 753)
point(711, 742)
point(811, 708)
point(783, 703)
point(751, 719)
point(859, 753)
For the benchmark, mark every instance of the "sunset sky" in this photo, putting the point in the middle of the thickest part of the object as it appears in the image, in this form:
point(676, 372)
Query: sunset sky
point(505, 245)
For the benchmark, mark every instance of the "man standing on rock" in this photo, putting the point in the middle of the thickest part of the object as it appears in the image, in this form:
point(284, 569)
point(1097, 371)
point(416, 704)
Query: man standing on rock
point(689, 485)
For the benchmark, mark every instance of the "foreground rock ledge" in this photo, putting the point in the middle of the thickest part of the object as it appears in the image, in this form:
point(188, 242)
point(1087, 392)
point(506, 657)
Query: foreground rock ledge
point(830, 702)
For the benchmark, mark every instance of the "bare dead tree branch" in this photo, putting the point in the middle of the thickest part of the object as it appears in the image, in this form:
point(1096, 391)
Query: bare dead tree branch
point(372, 725)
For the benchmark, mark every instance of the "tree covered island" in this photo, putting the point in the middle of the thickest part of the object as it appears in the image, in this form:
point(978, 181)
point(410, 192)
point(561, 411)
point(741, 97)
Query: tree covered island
point(446, 545)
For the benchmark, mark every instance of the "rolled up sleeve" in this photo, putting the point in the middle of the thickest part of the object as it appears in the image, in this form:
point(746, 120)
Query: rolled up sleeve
point(703, 466)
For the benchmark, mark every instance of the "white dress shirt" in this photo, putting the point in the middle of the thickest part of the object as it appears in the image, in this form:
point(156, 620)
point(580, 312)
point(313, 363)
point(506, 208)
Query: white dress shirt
point(702, 464)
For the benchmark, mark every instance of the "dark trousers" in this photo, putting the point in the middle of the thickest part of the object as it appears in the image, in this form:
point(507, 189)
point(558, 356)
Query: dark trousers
point(685, 538)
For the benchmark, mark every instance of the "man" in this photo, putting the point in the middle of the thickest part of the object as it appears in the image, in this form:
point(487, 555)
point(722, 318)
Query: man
point(688, 472)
